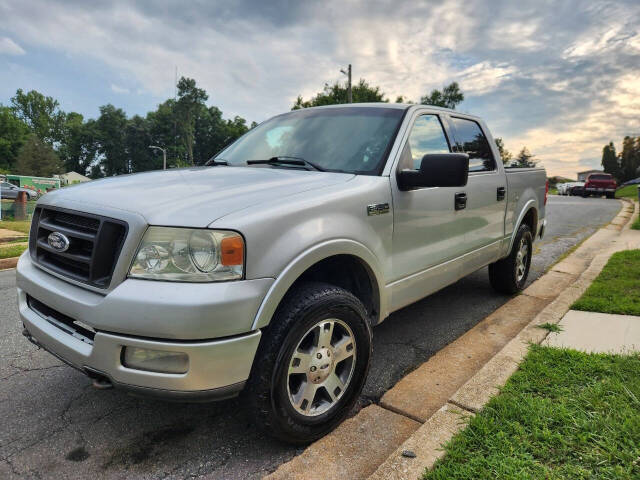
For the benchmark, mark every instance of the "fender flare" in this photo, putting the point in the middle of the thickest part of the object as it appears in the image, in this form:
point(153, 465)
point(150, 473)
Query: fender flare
point(307, 259)
point(527, 206)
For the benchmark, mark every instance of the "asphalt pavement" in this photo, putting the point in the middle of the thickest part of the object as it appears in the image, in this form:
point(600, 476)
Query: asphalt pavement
point(55, 425)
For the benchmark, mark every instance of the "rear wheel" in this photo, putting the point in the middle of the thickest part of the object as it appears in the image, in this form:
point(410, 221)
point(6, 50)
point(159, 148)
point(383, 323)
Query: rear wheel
point(611, 195)
point(311, 364)
point(509, 275)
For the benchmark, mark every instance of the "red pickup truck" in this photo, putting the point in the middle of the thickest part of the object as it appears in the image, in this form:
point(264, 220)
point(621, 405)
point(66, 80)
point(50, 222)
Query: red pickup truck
point(599, 184)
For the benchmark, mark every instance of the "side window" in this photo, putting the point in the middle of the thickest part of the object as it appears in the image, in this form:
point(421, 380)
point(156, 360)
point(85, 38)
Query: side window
point(471, 140)
point(426, 136)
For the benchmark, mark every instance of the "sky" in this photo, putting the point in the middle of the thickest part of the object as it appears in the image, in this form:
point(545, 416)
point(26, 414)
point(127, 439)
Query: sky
point(562, 78)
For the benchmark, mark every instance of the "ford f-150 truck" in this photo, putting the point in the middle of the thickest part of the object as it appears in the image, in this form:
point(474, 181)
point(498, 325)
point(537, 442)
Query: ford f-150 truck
point(599, 184)
point(264, 272)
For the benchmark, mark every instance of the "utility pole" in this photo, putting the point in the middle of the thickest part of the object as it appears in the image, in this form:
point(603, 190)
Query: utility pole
point(164, 155)
point(348, 74)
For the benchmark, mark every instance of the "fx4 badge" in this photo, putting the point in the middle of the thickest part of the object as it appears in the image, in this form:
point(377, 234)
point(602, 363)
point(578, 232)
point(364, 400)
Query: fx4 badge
point(377, 209)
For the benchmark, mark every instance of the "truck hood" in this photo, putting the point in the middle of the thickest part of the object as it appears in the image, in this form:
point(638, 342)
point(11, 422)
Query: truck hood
point(192, 197)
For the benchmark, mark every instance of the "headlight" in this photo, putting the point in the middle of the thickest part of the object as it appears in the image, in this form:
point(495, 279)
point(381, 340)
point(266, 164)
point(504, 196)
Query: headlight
point(189, 255)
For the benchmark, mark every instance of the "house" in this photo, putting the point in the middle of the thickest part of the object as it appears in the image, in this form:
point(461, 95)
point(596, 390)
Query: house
point(71, 178)
point(582, 176)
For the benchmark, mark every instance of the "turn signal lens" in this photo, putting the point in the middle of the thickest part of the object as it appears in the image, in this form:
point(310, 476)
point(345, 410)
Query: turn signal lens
point(232, 251)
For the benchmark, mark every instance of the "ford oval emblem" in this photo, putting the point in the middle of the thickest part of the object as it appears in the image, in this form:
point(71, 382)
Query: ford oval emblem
point(58, 241)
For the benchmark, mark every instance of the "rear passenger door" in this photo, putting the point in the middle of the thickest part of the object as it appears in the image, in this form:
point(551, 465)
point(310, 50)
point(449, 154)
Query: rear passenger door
point(486, 194)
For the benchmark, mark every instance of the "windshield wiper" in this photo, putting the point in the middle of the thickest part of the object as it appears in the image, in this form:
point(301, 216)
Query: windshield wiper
point(213, 162)
point(285, 160)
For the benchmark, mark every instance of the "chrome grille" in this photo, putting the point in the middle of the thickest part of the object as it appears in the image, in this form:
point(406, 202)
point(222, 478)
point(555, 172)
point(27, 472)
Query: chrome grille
point(94, 244)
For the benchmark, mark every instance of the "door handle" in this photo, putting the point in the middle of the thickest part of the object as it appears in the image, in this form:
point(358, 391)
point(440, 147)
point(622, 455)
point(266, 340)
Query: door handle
point(501, 193)
point(461, 201)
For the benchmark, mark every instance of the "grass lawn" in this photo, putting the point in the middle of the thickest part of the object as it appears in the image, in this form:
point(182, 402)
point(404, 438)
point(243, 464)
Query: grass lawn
point(12, 250)
point(636, 225)
point(563, 414)
point(617, 288)
point(16, 225)
point(630, 191)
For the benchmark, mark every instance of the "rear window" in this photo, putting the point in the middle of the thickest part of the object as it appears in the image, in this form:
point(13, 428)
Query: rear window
point(471, 140)
point(600, 177)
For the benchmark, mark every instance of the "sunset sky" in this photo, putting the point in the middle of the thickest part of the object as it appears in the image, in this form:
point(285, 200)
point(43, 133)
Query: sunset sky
point(562, 78)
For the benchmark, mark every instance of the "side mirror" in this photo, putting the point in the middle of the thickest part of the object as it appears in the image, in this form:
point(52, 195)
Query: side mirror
point(437, 170)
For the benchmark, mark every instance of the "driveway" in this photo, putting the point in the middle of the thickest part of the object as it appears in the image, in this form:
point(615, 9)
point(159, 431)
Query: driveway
point(55, 425)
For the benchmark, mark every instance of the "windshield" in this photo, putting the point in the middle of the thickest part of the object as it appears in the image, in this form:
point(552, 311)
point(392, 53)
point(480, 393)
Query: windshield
point(347, 139)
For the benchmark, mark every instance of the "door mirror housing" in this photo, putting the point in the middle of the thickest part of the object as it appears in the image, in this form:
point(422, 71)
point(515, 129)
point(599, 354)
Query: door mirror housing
point(437, 170)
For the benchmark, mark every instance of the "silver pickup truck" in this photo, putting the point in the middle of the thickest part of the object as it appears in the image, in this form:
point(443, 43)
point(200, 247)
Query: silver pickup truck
point(264, 272)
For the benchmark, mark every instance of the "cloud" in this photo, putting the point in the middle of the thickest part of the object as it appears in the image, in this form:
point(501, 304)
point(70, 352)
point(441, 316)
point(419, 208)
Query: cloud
point(557, 77)
point(484, 77)
point(118, 89)
point(9, 47)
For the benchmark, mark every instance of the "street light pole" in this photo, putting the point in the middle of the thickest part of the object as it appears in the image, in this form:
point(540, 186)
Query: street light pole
point(348, 74)
point(164, 155)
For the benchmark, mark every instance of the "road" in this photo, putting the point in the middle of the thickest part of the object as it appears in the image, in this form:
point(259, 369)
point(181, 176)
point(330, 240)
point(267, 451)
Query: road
point(55, 425)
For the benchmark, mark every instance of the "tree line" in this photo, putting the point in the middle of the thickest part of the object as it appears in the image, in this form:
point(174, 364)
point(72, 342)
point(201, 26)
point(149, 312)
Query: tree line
point(626, 164)
point(38, 138)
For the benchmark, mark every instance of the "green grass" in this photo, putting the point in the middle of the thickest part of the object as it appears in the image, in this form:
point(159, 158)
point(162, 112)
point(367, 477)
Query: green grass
point(551, 327)
point(627, 191)
point(636, 225)
point(563, 414)
point(617, 288)
point(553, 191)
point(16, 225)
point(12, 250)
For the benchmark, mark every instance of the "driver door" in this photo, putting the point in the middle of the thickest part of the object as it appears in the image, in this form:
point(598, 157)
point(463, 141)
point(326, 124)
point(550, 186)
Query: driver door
point(428, 233)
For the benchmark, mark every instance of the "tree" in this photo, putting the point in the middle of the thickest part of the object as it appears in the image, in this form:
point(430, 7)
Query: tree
point(163, 126)
point(190, 104)
point(629, 158)
point(13, 135)
point(449, 97)
point(402, 99)
point(79, 143)
point(41, 113)
point(334, 94)
point(37, 158)
point(524, 159)
point(504, 153)
point(111, 126)
point(610, 160)
point(137, 138)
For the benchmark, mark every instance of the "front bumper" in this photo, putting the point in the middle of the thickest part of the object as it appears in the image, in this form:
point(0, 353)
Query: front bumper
point(218, 367)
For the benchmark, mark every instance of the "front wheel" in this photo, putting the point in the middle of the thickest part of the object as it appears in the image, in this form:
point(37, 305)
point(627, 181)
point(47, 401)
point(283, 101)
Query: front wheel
point(311, 364)
point(509, 275)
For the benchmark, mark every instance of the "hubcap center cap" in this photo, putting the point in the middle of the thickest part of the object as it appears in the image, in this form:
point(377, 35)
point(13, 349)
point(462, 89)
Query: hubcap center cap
point(321, 365)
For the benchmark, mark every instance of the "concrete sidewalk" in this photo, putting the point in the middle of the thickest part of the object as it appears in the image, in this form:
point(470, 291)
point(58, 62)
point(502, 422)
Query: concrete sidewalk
point(594, 332)
point(10, 235)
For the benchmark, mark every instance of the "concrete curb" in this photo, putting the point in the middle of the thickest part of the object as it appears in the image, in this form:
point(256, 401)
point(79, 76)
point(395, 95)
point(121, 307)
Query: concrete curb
point(7, 263)
point(458, 380)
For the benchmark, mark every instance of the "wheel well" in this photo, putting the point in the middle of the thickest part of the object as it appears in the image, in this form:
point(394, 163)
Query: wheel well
point(352, 274)
point(531, 218)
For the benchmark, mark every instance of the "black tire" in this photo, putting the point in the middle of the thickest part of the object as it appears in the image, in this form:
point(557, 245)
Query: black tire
point(503, 273)
point(611, 195)
point(266, 393)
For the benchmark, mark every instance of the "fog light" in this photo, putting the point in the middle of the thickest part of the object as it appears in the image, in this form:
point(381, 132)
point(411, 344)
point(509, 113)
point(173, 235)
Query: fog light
point(155, 360)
